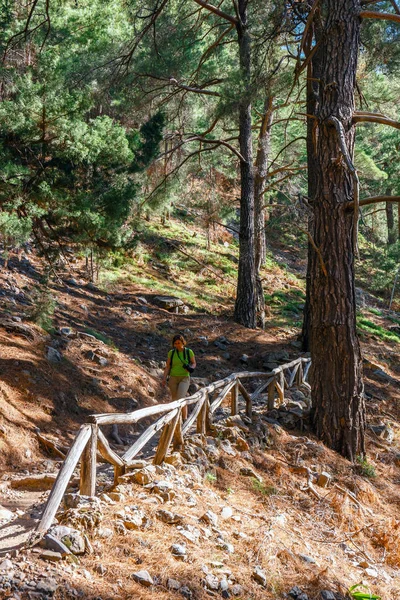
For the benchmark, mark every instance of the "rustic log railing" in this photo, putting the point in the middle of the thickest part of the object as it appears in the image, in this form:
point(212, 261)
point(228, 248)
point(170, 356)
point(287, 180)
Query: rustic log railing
point(90, 438)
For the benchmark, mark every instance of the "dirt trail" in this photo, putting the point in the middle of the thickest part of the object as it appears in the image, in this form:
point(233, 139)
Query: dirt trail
point(14, 534)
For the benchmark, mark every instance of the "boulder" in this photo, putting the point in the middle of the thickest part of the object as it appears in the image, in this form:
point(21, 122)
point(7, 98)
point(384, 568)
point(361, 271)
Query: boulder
point(169, 303)
point(47, 586)
point(135, 521)
point(72, 538)
point(248, 472)
point(211, 582)
point(173, 584)
point(259, 576)
point(50, 542)
point(210, 518)
point(169, 517)
point(53, 355)
point(179, 551)
point(143, 577)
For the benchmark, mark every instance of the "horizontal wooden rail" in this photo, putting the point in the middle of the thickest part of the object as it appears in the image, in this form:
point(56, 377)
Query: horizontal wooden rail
point(90, 438)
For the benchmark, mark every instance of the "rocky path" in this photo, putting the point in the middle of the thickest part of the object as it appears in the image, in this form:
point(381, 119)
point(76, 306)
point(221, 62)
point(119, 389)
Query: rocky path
point(19, 511)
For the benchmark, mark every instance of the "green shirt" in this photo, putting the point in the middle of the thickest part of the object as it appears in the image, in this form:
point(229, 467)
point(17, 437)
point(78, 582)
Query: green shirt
point(178, 360)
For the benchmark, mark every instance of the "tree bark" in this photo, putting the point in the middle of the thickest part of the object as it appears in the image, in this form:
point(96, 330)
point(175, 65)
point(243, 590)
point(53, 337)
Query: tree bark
point(260, 178)
point(245, 305)
point(313, 78)
point(336, 375)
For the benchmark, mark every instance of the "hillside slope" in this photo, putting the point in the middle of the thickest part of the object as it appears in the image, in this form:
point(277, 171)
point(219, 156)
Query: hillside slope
point(102, 350)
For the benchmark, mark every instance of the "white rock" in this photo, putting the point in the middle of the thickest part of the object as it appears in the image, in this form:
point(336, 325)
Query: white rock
point(259, 576)
point(143, 577)
point(5, 514)
point(6, 566)
point(226, 512)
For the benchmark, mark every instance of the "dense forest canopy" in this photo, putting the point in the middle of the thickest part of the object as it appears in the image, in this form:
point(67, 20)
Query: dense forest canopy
point(77, 75)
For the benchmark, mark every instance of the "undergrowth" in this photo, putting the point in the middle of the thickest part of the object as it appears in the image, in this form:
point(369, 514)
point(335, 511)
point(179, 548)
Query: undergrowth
point(365, 467)
point(380, 332)
point(102, 337)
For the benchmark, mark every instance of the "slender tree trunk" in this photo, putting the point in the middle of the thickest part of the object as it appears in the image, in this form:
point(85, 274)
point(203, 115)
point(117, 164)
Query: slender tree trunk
point(260, 178)
point(245, 306)
point(313, 78)
point(391, 230)
point(336, 378)
point(313, 82)
point(398, 220)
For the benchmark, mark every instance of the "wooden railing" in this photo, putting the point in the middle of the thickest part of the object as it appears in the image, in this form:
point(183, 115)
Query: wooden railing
point(90, 438)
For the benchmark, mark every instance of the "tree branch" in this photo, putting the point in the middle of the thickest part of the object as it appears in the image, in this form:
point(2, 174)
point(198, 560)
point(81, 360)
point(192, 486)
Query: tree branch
point(209, 50)
point(174, 170)
point(181, 86)
point(317, 250)
point(395, 6)
point(310, 19)
point(373, 200)
point(370, 14)
point(199, 138)
point(218, 12)
point(301, 137)
point(364, 117)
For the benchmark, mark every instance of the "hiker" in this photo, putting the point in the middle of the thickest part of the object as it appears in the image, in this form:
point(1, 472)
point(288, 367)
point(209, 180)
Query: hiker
point(180, 363)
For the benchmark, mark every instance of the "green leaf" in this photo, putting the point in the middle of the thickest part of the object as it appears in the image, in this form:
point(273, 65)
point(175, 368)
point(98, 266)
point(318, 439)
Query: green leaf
point(362, 595)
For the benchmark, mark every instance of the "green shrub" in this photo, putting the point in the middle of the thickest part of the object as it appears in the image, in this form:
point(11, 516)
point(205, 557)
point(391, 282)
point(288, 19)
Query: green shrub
point(264, 490)
point(100, 336)
point(366, 468)
point(44, 307)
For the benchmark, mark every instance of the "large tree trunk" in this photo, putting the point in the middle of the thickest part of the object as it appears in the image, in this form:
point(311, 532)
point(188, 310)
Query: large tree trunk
point(336, 378)
point(260, 178)
point(245, 306)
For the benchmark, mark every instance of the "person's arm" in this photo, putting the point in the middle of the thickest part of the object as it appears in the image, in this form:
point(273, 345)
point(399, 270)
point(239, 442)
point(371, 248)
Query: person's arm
point(192, 359)
point(166, 370)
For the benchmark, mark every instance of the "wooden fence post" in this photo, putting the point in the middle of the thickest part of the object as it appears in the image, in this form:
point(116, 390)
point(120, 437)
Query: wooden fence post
point(293, 375)
point(208, 417)
point(166, 438)
point(271, 395)
point(88, 465)
point(178, 440)
point(280, 392)
point(282, 382)
point(201, 417)
point(247, 397)
point(299, 374)
point(306, 369)
point(235, 399)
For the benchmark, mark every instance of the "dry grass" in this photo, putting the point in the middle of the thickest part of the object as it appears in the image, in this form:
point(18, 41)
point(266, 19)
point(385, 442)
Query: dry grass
point(280, 530)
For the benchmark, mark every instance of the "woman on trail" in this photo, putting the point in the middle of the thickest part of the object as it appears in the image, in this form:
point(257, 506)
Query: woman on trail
point(180, 363)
